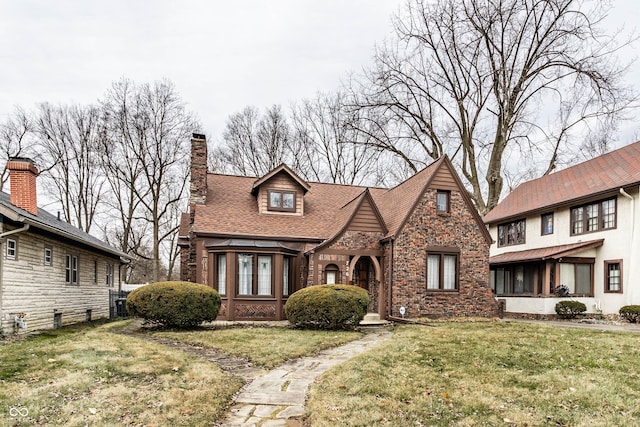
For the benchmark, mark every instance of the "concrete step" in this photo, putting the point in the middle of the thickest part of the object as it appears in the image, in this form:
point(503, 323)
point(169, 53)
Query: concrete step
point(373, 319)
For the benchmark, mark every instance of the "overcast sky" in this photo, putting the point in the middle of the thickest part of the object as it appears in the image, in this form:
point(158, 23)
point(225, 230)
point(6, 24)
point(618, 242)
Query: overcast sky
point(221, 55)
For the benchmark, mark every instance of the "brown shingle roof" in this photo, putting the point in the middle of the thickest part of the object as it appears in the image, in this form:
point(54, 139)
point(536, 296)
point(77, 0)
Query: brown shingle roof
point(551, 252)
point(619, 168)
point(232, 210)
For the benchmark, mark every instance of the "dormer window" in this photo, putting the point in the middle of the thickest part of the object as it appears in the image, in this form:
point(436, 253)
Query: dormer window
point(282, 200)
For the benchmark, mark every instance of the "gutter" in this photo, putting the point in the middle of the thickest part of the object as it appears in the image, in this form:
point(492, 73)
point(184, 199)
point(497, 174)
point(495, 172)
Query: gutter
point(17, 230)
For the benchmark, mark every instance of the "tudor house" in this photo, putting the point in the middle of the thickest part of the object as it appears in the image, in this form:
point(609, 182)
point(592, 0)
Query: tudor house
point(573, 234)
point(51, 273)
point(420, 245)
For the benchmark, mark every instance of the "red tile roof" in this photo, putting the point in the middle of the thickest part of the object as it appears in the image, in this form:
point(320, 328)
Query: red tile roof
point(232, 210)
point(539, 254)
point(606, 173)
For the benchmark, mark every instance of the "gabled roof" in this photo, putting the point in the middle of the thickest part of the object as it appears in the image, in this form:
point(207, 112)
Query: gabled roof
point(541, 254)
point(284, 169)
point(601, 175)
point(50, 223)
point(231, 209)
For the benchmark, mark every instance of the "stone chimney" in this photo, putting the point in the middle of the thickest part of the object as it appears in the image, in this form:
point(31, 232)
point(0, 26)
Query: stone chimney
point(198, 188)
point(22, 180)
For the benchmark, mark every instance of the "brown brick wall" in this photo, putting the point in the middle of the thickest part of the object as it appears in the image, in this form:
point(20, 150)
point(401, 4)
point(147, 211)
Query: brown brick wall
point(458, 229)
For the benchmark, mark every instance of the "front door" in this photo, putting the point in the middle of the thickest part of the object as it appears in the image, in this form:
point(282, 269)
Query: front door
point(364, 276)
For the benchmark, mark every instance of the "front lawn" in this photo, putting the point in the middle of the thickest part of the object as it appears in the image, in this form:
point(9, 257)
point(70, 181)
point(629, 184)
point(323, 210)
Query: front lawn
point(485, 374)
point(267, 347)
point(87, 375)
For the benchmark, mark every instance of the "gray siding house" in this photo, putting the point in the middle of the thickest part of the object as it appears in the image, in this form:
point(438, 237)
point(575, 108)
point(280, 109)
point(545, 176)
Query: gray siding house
point(51, 273)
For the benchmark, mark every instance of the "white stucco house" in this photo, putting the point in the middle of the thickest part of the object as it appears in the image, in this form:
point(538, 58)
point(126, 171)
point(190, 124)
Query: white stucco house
point(578, 227)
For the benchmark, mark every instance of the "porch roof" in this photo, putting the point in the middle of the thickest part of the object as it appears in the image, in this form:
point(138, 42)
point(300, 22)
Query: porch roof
point(541, 254)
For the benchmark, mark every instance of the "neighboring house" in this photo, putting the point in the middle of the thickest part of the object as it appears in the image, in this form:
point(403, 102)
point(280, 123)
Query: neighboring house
point(577, 227)
point(420, 245)
point(50, 271)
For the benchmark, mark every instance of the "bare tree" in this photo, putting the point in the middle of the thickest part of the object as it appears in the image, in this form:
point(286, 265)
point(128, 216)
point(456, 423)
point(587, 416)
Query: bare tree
point(329, 146)
point(70, 137)
point(149, 128)
point(254, 144)
point(480, 81)
point(16, 140)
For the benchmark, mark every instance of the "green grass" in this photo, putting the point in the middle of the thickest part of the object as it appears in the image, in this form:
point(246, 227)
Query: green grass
point(89, 376)
point(266, 347)
point(486, 374)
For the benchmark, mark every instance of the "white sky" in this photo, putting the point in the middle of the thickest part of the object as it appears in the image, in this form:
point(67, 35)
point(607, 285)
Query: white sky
point(221, 55)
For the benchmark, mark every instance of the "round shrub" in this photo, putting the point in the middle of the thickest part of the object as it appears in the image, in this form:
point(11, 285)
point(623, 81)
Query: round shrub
point(327, 307)
point(630, 313)
point(180, 304)
point(570, 309)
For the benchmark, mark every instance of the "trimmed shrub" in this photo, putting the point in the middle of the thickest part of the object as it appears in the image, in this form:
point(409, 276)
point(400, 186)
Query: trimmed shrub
point(327, 307)
point(570, 309)
point(630, 313)
point(180, 304)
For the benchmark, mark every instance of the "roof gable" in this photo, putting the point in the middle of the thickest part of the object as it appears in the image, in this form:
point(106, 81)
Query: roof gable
point(366, 216)
point(280, 169)
point(607, 173)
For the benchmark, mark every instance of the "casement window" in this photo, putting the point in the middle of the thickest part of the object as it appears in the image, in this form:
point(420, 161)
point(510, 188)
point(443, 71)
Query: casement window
point(593, 217)
point(48, 256)
point(613, 276)
point(442, 271)
point(286, 276)
point(71, 269)
point(109, 274)
point(442, 201)
point(546, 221)
point(12, 249)
point(331, 274)
point(221, 273)
point(282, 200)
point(512, 233)
point(255, 274)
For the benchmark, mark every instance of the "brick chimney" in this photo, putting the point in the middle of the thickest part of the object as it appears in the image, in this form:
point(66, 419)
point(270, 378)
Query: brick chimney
point(22, 180)
point(198, 188)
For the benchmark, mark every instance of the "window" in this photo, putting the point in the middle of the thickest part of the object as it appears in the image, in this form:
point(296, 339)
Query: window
point(331, 274)
point(221, 273)
point(613, 276)
point(547, 224)
point(109, 274)
point(577, 277)
point(593, 217)
point(48, 256)
point(255, 274)
point(515, 279)
point(95, 271)
point(442, 271)
point(512, 233)
point(71, 269)
point(442, 201)
point(12, 249)
point(286, 276)
point(282, 201)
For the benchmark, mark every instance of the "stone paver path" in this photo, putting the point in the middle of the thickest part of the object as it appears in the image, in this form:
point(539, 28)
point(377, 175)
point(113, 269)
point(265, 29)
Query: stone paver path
point(277, 397)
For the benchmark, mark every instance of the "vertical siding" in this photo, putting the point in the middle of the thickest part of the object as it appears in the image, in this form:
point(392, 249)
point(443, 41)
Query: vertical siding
point(29, 286)
point(280, 182)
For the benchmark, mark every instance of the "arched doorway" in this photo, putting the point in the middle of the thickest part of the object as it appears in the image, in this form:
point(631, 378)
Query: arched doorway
point(365, 275)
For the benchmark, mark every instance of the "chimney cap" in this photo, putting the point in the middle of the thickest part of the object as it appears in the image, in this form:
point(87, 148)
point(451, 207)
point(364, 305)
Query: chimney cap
point(22, 163)
point(199, 136)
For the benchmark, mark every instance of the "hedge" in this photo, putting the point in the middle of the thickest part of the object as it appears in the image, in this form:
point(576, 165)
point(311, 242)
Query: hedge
point(180, 304)
point(570, 309)
point(327, 307)
point(631, 313)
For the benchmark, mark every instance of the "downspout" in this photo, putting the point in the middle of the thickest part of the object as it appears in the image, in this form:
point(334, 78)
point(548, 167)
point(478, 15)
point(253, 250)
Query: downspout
point(630, 297)
point(390, 304)
point(17, 230)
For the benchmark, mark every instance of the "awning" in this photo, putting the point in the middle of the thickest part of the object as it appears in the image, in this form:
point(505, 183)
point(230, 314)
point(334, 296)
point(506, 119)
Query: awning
point(250, 243)
point(541, 254)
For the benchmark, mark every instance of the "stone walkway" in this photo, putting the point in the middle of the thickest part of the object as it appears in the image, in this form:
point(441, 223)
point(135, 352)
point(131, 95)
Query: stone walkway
point(277, 397)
